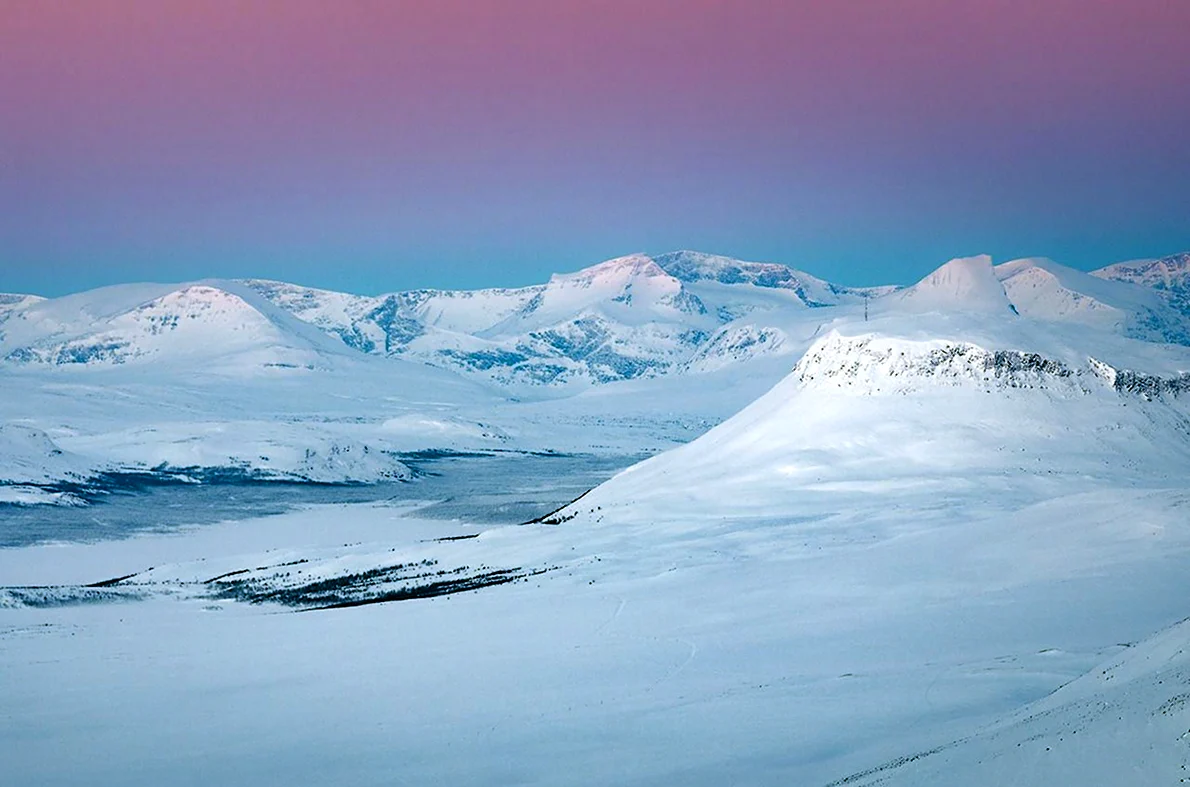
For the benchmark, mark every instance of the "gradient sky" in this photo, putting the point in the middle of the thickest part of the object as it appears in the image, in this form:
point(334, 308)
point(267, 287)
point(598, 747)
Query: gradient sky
point(374, 146)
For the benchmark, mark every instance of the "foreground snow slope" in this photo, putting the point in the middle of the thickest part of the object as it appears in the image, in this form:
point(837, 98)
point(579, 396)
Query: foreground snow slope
point(785, 650)
point(1125, 722)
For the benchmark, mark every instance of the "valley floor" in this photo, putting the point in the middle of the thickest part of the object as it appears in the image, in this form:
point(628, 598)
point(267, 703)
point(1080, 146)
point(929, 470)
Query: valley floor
point(748, 653)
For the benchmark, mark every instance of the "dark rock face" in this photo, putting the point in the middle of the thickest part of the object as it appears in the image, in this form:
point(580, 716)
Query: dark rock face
point(398, 328)
point(1150, 386)
point(70, 354)
point(1008, 364)
point(483, 360)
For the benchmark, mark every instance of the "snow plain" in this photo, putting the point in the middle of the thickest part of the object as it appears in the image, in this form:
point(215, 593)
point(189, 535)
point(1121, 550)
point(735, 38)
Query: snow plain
point(947, 547)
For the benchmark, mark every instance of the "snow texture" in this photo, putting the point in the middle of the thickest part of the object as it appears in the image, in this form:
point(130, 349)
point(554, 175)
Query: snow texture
point(932, 535)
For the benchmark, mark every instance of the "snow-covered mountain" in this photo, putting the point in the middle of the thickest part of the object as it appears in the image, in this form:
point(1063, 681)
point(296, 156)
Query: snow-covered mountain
point(695, 266)
point(967, 283)
point(929, 406)
point(1168, 276)
point(432, 369)
point(689, 312)
point(1045, 290)
point(990, 474)
point(220, 323)
point(11, 301)
point(626, 318)
point(630, 317)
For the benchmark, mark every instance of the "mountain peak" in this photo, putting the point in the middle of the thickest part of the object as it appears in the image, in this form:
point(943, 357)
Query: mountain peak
point(692, 266)
point(633, 282)
point(618, 269)
point(966, 284)
point(695, 266)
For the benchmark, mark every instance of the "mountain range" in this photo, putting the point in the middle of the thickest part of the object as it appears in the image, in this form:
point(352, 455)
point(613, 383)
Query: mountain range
point(631, 317)
point(629, 355)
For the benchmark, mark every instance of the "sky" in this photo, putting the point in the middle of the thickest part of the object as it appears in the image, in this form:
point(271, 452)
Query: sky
point(373, 146)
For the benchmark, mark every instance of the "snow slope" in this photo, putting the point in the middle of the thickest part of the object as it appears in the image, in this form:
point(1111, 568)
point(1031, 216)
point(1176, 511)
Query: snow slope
point(1125, 722)
point(1045, 290)
point(776, 650)
point(30, 461)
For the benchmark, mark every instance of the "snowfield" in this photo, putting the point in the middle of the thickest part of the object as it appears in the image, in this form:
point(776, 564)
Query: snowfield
point(1124, 722)
point(923, 535)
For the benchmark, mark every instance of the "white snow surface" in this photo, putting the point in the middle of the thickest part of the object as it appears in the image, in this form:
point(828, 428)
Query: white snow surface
point(1045, 290)
point(29, 456)
point(945, 544)
point(965, 283)
point(1125, 722)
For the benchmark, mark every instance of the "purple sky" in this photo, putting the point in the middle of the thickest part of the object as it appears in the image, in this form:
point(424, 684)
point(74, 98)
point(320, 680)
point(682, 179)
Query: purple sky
point(375, 146)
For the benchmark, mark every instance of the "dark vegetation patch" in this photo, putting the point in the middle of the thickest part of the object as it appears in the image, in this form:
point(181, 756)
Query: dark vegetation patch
point(51, 596)
point(440, 588)
point(889, 766)
point(1007, 363)
point(107, 583)
point(400, 582)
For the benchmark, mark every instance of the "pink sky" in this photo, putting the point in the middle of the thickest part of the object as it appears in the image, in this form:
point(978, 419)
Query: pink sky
point(502, 139)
